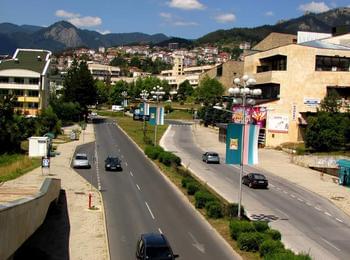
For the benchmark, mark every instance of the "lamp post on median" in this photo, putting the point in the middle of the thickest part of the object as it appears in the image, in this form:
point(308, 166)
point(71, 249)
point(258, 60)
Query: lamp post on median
point(144, 95)
point(124, 94)
point(242, 95)
point(157, 93)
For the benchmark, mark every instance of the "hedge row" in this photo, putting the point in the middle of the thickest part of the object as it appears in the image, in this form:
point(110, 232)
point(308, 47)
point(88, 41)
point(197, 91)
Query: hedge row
point(257, 236)
point(167, 158)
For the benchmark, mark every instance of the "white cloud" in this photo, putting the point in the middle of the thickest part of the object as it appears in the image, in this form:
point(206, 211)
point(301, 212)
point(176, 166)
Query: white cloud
point(269, 13)
point(183, 23)
point(314, 7)
point(225, 18)
point(86, 21)
point(167, 16)
point(78, 20)
point(176, 20)
point(104, 32)
point(65, 14)
point(186, 4)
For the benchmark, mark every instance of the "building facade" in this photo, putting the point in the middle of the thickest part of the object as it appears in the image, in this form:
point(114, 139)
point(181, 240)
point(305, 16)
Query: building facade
point(26, 77)
point(104, 72)
point(294, 79)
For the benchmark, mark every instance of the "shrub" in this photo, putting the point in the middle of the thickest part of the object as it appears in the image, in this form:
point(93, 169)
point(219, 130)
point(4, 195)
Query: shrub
point(169, 158)
point(153, 151)
point(240, 226)
point(250, 241)
point(147, 140)
point(231, 210)
point(202, 198)
point(214, 209)
point(260, 226)
point(286, 254)
point(186, 180)
point(270, 247)
point(274, 234)
point(192, 188)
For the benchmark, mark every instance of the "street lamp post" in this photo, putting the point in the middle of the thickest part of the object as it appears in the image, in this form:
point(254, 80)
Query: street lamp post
point(144, 95)
point(243, 95)
point(157, 93)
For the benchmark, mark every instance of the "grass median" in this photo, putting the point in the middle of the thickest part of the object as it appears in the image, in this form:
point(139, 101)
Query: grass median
point(15, 165)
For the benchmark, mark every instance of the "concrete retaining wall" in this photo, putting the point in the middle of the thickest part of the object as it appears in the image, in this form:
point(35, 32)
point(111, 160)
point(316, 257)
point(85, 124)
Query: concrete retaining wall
point(19, 219)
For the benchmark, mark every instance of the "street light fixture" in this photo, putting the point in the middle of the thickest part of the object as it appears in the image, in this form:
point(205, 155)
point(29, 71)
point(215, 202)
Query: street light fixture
point(144, 95)
point(157, 93)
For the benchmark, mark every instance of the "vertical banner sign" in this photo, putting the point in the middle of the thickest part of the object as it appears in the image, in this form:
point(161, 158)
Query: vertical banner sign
point(144, 109)
point(153, 115)
point(234, 144)
point(160, 116)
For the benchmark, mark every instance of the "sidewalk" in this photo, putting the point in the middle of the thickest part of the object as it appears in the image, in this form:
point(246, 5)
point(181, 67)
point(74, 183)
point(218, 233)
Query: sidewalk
point(279, 163)
point(87, 232)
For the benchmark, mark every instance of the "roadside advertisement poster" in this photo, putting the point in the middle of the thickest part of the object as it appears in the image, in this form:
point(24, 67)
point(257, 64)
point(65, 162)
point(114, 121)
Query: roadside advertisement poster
point(278, 124)
point(237, 115)
point(156, 115)
point(254, 115)
point(234, 144)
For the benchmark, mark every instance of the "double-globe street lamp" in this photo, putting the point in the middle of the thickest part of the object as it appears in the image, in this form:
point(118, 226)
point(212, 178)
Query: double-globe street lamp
point(144, 95)
point(158, 94)
point(243, 96)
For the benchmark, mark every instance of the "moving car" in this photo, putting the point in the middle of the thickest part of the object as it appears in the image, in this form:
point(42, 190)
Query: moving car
point(255, 180)
point(113, 164)
point(81, 161)
point(154, 246)
point(211, 157)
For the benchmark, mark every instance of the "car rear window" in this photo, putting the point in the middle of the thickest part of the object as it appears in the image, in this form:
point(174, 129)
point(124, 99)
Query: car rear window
point(213, 154)
point(259, 177)
point(81, 157)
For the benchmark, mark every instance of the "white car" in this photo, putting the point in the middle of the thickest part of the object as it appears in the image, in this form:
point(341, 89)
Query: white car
point(81, 161)
point(117, 108)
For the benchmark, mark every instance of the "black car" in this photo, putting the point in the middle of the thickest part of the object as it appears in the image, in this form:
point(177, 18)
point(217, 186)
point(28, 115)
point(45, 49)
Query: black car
point(113, 164)
point(255, 180)
point(154, 246)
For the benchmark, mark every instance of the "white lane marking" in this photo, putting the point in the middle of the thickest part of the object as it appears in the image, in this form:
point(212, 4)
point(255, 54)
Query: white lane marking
point(196, 244)
point(138, 186)
point(131, 174)
point(149, 209)
point(118, 150)
point(283, 213)
point(309, 204)
point(292, 195)
point(318, 208)
point(341, 221)
point(271, 185)
point(300, 199)
point(285, 192)
point(126, 164)
point(329, 243)
point(278, 188)
point(97, 170)
point(160, 231)
point(328, 214)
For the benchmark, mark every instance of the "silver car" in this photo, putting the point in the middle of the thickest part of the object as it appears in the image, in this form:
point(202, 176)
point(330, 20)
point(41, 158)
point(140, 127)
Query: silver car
point(211, 157)
point(81, 161)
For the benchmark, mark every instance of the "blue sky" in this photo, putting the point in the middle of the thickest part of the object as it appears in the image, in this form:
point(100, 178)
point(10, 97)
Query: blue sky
point(183, 18)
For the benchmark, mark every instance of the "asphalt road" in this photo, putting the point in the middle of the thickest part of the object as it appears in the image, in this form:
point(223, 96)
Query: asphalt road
point(323, 229)
point(139, 199)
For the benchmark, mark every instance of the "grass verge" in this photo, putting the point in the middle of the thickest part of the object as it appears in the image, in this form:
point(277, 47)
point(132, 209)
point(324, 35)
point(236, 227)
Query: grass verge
point(179, 114)
point(15, 165)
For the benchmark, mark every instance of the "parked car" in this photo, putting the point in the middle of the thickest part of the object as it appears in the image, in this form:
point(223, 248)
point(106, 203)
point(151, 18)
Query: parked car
point(117, 108)
point(113, 164)
point(255, 180)
point(81, 161)
point(154, 246)
point(211, 157)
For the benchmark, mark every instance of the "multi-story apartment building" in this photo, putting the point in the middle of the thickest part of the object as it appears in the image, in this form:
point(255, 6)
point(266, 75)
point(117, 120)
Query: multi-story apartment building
point(104, 72)
point(26, 77)
point(294, 78)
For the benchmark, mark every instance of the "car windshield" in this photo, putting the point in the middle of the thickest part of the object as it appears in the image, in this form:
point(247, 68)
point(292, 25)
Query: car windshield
point(259, 177)
point(81, 157)
point(158, 253)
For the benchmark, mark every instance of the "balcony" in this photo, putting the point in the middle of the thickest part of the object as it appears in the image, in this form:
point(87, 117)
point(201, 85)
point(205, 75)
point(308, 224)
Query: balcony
point(28, 99)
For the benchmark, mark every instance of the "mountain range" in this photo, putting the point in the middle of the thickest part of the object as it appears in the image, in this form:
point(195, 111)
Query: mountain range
point(62, 35)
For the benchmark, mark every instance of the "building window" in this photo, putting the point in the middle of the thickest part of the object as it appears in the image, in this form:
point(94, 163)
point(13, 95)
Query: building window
point(332, 63)
point(273, 63)
point(4, 79)
point(19, 80)
point(33, 81)
point(33, 105)
point(33, 93)
point(4, 92)
point(18, 92)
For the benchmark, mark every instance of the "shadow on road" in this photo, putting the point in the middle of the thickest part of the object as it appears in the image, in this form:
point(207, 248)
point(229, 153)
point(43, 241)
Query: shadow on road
point(51, 240)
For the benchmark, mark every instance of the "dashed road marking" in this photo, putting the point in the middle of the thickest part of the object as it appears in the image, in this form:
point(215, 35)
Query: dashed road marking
point(285, 192)
point(292, 195)
point(300, 200)
point(150, 211)
point(160, 231)
point(309, 204)
point(327, 213)
point(278, 188)
point(272, 186)
point(318, 208)
point(339, 220)
point(131, 174)
point(126, 164)
point(138, 187)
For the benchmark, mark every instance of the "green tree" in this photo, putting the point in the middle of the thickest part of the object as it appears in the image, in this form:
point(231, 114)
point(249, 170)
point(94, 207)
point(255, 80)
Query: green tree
point(330, 102)
point(48, 122)
point(103, 91)
point(118, 61)
point(185, 90)
point(116, 92)
point(79, 86)
point(209, 91)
